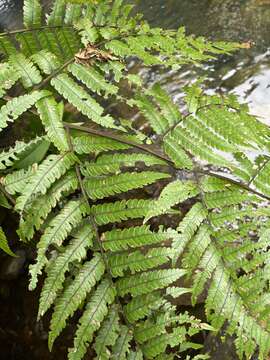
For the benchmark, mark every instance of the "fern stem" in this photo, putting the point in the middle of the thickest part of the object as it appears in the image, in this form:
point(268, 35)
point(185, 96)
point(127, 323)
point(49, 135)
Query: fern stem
point(157, 153)
point(119, 138)
point(260, 168)
point(45, 27)
point(53, 74)
point(7, 195)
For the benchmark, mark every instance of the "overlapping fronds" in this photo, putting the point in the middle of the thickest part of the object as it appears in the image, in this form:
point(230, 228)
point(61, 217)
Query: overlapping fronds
point(128, 222)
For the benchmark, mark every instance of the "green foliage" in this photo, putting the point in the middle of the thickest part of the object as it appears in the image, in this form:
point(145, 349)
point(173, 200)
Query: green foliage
point(93, 189)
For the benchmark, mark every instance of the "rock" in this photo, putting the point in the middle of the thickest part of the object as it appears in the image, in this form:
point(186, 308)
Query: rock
point(220, 350)
point(12, 267)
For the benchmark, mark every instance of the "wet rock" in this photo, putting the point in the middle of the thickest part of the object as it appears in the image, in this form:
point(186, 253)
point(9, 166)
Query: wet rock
point(220, 350)
point(12, 267)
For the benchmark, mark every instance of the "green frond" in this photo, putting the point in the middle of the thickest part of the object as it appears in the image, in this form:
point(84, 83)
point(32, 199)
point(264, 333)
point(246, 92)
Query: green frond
point(75, 250)
point(156, 119)
point(94, 314)
point(16, 181)
point(188, 227)
point(158, 345)
point(73, 13)
point(78, 97)
point(8, 77)
point(120, 211)
point(135, 355)
point(109, 326)
point(181, 137)
point(31, 13)
point(56, 16)
point(56, 232)
point(74, 294)
point(96, 144)
point(141, 306)
point(50, 170)
point(51, 115)
point(110, 164)
point(29, 74)
point(133, 237)
point(99, 188)
point(46, 61)
point(144, 283)
point(137, 261)
point(14, 153)
point(7, 47)
point(168, 109)
point(93, 80)
point(174, 193)
point(226, 198)
point(203, 170)
point(122, 346)
point(14, 108)
point(176, 153)
point(4, 243)
point(42, 206)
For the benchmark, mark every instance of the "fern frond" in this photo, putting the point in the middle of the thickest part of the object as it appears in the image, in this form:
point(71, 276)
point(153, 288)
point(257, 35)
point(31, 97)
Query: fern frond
point(99, 188)
point(144, 283)
point(46, 61)
point(51, 115)
point(93, 80)
point(188, 227)
point(168, 109)
point(133, 237)
point(73, 13)
point(29, 74)
point(7, 47)
point(75, 250)
point(75, 294)
point(94, 314)
point(56, 16)
point(96, 144)
point(8, 77)
point(4, 243)
point(90, 197)
point(56, 232)
point(174, 193)
point(16, 181)
point(122, 346)
point(137, 261)
point(14, 108)
point(107, 164)
point(31, 13)
point(120, 211)
point(42, 206)
point(103, 341)
point(158, 345)
point(86, 104)
point(51, 169)
point(177, 154)
point(7, 158)
point(141, 306)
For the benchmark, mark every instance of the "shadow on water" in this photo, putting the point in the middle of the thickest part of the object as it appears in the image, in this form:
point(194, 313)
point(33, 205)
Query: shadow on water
point(246, 73)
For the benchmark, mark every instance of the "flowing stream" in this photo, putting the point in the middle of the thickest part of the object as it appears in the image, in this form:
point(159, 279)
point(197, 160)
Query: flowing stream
point(247, 72)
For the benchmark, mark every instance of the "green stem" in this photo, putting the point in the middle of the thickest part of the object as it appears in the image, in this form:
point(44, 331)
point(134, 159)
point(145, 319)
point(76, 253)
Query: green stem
point(153, 151)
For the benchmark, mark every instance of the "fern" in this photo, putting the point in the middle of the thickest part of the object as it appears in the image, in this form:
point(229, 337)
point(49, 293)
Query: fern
point(93, 189)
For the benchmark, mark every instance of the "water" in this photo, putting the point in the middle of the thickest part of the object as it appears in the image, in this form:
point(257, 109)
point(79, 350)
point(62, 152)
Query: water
point(10, 13)
point(247, 72)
